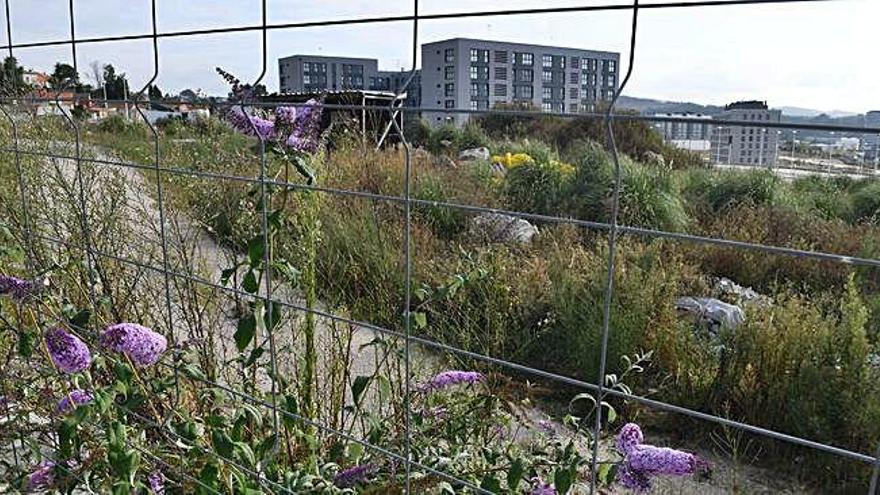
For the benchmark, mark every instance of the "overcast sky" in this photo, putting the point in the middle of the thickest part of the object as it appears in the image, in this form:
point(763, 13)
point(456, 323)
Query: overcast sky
point(820, 55)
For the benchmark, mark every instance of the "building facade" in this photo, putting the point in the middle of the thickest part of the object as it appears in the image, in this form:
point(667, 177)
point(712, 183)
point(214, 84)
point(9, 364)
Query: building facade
point(470, 74)
point(732, 144)
point(692, 136)
point(313, 73)
point(871, 142)
point(393, 81)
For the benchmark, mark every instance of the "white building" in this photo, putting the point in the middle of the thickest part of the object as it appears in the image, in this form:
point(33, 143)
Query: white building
point(687, 135)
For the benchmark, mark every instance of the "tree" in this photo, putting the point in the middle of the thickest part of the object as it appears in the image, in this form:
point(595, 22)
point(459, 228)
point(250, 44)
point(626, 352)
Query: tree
point(63, 77)
point(116, 85)
point(154, 92)
point(12, 78)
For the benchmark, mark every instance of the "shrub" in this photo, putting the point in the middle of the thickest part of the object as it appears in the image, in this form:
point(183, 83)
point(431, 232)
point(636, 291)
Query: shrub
point(538, 187)
point(443, 138)
point(117, 124)
point(471, 136)
point(445, 222)
point(866, 203)
point(714, 191)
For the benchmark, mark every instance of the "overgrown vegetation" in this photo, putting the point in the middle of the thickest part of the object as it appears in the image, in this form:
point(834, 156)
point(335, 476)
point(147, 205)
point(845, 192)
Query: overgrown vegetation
point(802, 364)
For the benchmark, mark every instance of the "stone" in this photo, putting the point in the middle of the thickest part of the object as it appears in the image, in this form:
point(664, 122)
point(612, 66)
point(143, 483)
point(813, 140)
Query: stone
point(497, 227)
point(713, 315)
point(732, 291)
point(481, 153)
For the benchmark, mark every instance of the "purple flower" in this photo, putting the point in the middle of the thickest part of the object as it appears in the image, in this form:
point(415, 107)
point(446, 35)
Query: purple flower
point(306, 127)
point(285, 115)
point(541, 488)
point(157, 482)
point(452, 377)
point(43, 476)
point(68, 352)
point(245, 123)
point(79, 397)
point(635, 481)
point(141, 344)
point(630, 436)
point(436, 412)
point(17, 288)
point(353, 475)
point(642, 461)
point(546, 427)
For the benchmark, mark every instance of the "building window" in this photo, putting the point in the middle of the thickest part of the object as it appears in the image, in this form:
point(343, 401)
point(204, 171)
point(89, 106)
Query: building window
point(547, 61)
point(546, 76)
point(450, 103)
point(526, 59)
point(523, 75)
point(501, 90)
point(609, 81)
point(449, 90)
point(449, 55)
point(575, 62)
point(352, 76)
point(573, 93)
point(500, 56)
point(546, 107)
point(547, 93)
point(573, 78)
point(481, 56)
point(585, 64)
point(501, 73)
point(560, 61)
point(523, 92)
point(612, 66)
point(450, 72)
point(474, 105)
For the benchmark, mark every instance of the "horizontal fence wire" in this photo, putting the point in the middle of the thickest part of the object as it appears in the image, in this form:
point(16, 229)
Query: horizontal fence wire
point(405, 18)
point(622, 116)
point(92, 254)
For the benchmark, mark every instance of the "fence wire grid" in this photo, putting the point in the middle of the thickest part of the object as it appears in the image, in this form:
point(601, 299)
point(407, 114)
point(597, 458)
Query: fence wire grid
point(612, 228)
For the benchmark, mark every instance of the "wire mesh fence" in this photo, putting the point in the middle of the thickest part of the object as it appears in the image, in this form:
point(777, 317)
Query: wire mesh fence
point(84, 237)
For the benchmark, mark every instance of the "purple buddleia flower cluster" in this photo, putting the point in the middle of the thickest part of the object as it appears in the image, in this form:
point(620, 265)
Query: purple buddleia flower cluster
point(246, 123)
point(157, 482)
point(17, 288)
point(68, 352)
point(139, 343)
point(78, 397)
point(43, 477)
point(642, 462)
point(353, 475)
point(452, 377)
point(539, 487)
point(306, 127)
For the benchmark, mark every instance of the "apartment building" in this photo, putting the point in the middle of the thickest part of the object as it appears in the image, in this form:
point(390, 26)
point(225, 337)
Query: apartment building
point(393, 81)
point(740, 145)
point(314, 73)
point(688, 135)
point(471, 74)
point(871, 142)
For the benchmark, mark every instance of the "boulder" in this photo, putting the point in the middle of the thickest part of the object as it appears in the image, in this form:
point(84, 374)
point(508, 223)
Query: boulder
point(732, 291)
point(481, 153)
point(496, 227)
point(711, 314)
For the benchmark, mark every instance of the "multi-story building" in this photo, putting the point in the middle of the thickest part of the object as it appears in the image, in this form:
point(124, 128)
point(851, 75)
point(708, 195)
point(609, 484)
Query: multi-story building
point(871, 142)
point(315, 73)
point(472, 74)
point(752, 145)
point(689, 135)
point(393, 81)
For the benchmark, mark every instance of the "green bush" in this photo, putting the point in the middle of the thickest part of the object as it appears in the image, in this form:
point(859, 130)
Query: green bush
point(443, 139)
point(714, 191)
point(445, 222)
point(471, 136)
point(117, 124)
point(538, 187)
point(866, 203)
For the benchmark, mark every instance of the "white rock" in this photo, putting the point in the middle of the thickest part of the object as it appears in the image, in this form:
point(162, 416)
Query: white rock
point(503, 228)
point(474, 154)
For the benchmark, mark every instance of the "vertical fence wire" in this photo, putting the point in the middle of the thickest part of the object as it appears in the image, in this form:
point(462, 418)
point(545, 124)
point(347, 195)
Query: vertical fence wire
point(160, 197)
point(90, 262)
point(267, 247)
point(612, 247)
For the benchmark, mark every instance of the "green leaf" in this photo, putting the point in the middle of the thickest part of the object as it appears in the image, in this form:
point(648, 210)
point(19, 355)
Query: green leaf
point(271, 322)
point(612, 414)
point(245, 331)
point(227, 274)
point(490, 483)
point(255, 354)
point(256, 249)
point(222, 443)
point(563, 478)
point(250, 283)
point(26, 344)
point(514, 474)
point(607, 473)
point(420, 320)
point(304, 169)
point(357, 389)
point(384, 388)
point(81, 319)
point(209, 476)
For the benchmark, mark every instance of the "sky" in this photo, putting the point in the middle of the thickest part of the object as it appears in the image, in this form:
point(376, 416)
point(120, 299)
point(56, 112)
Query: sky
point(820, 55)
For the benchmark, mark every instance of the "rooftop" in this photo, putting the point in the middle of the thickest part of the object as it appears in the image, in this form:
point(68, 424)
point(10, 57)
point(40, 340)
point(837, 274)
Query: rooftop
point(523, 44)
point(747, 105)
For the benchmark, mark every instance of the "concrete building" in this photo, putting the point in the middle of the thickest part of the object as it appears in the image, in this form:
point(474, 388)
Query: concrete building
point(472, 74)
point(393, 81)
point(692, 136)
point(871, 142)
point(315, 73)
point(746, 145)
